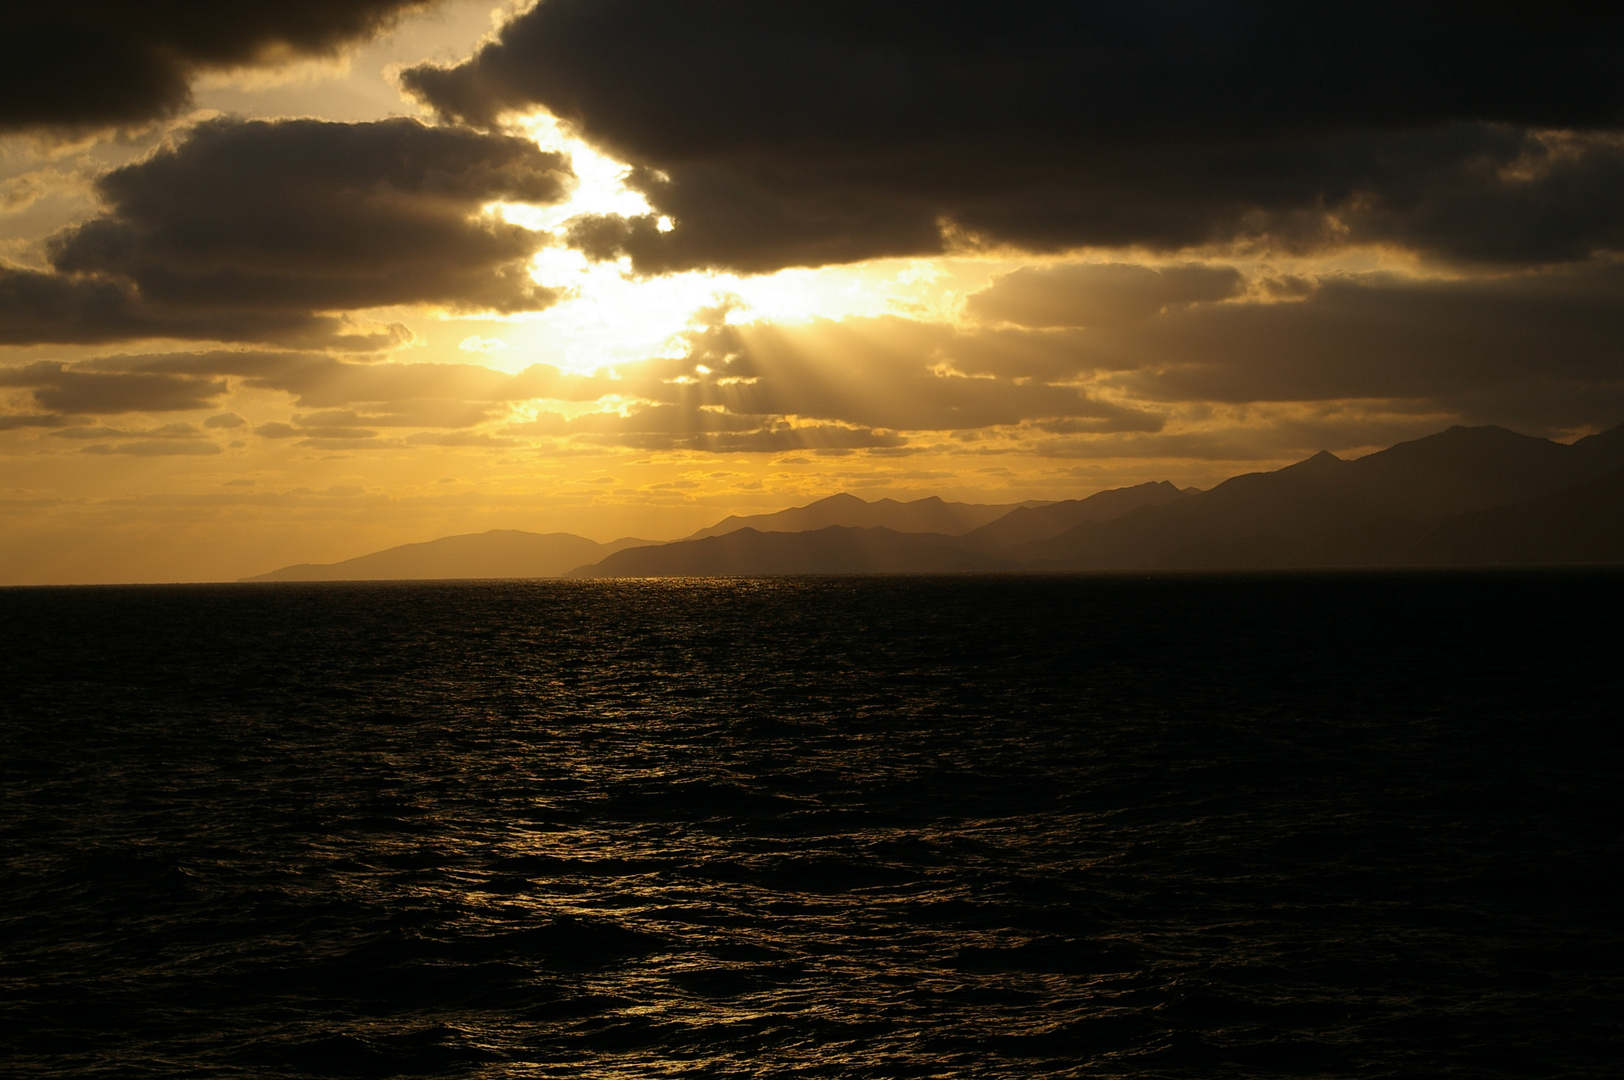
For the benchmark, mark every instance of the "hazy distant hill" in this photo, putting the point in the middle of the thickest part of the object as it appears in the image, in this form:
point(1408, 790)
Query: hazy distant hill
point(1291, 504)
point(1466, 495)
point(837, 549)
point(500, 553)
point(1465, 469)
point(1030, 524)
point(930, 515)
point(1583, 524)
point(1462, 496)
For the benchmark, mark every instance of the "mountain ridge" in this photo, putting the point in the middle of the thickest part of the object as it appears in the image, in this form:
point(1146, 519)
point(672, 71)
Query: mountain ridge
point(1031, 524)
point(496, 553)
point(837, 549)
point(1463, 496)
point(1457, 471)
point(930, 514)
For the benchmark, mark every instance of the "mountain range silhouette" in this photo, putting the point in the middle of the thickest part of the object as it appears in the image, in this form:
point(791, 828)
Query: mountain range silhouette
point(1465, 496)
point(500, 553)
point(930, 515)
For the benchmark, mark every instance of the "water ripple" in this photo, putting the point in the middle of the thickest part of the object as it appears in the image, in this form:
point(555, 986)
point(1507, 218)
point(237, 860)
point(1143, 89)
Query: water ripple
point(990, 827)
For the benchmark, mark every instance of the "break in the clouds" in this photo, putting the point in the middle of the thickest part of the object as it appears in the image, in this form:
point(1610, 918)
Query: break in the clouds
point(102, 62)
point(805, 133)
point(59, 389)
point(255, 231)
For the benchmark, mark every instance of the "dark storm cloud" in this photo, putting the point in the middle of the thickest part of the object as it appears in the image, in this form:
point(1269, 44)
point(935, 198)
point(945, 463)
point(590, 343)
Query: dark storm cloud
point(342, 393)
point(38, 308)
point(1532, 197)
point(43, 307)
point(251, 231)
point(1536, 349)
point(301, 215)
point(798, 132)
point(15, 421)
point(93, 62)
point(1497, 350)
point(1099, 294)
point(61, 390)
point(729, 220)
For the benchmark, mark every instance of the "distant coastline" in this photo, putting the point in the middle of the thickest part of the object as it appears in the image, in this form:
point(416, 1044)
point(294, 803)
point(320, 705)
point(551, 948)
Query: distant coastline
point(1479, 496)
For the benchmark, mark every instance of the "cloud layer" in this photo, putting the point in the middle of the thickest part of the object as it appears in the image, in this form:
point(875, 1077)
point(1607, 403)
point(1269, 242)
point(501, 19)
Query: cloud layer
point(804, 133)
point(1198, 141)
point(96, 62)
point(248, 231)
point(1039, 357)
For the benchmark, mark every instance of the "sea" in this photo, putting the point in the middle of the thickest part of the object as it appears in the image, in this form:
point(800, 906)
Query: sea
point(1117, 826)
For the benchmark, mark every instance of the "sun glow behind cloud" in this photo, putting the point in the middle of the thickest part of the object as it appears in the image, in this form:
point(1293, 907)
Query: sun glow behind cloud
point(610, 315)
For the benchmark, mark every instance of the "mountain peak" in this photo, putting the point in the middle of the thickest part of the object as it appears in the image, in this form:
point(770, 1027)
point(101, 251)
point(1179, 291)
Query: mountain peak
point(1322, 462)
point(928, 515)
point(1609, 444)
point(1484, 435)
point(841, 498)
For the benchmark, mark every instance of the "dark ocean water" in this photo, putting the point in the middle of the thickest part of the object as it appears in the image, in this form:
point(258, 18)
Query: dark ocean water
point(1354, 825)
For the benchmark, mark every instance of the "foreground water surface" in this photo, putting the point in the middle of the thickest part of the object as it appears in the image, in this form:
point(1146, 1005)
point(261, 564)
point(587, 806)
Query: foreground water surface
point(1288, 825)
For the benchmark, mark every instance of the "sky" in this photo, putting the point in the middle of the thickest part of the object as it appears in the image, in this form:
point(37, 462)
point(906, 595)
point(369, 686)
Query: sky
point(303, 279)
